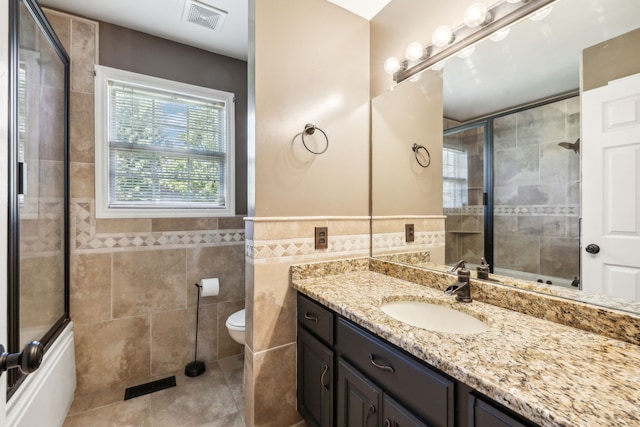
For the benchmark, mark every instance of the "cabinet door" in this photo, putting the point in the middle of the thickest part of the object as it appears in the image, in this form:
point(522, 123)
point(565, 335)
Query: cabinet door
point(483, 414)
point(358, 398)
point(315, 380)
point(395, 415)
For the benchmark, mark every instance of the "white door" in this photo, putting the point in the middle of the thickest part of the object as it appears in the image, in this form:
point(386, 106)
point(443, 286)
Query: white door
point(4, 138)
point(610, 253)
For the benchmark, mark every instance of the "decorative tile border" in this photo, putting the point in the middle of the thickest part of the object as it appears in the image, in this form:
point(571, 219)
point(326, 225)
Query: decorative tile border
point(48, 241)
point(518, 210)
point(88, 240)
point(302, 249)
point(423, 241)
point(537, 210)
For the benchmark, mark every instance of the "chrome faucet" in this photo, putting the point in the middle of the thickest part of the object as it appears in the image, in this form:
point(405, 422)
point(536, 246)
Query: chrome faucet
point(462, 288)
point(459, 264)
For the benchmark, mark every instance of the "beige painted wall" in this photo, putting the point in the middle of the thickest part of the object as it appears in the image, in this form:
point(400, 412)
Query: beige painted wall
point(310, 65)
point(310, 71)
point(611, 60)
point(409, 114)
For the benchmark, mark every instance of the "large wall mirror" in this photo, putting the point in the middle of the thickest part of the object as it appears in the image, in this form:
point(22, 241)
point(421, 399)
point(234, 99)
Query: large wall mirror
point(503, 126)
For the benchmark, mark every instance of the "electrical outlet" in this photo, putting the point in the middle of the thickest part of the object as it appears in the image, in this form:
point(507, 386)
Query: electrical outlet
point(409, 235)
point(322, 238)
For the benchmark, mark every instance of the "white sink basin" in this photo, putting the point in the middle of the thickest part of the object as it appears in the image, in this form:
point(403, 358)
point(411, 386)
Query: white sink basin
point(434, 317)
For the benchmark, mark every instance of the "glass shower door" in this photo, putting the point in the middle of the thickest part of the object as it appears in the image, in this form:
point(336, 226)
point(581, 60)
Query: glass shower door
point(463, 193)
point(38, 291)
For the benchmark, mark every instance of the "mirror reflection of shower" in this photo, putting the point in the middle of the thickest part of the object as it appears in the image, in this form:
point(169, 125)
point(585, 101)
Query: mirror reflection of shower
point(535, 193)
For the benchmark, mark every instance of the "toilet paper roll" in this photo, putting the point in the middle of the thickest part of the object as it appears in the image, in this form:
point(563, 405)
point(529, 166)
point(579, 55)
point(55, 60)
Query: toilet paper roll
point(210, 287)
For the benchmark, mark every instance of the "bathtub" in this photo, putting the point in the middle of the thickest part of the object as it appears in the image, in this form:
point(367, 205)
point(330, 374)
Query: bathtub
point(44, 398)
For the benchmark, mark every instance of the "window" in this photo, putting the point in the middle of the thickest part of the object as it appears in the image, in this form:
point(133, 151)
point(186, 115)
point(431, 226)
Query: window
point(454, 177)
point(163, 148)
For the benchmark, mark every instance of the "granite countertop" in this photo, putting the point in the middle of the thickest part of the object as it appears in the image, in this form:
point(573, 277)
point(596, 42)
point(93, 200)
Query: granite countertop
point(552, 374)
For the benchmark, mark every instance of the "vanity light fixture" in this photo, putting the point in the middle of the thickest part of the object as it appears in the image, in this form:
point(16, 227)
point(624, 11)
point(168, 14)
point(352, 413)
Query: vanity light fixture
point(480, 22)
point(541, 14)
point(467, 52)
point(442, 36)
point(415, 51)
point(500, 35)
point(477, 14)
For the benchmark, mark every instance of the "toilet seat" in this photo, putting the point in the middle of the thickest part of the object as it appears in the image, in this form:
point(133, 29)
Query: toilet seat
point(236, 321)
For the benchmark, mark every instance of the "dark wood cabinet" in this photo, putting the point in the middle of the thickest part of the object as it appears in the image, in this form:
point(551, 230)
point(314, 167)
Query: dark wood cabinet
point(485, 414)
point(315, 380)
point(396, 415)
point(358, 398)
point(377, 384)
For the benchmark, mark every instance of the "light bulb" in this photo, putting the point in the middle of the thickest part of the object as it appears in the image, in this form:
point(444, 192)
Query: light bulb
point(513, 1)
point(414, 51)
point(442, 36)
point(415, 78)
point(467, 52)
point(438, 66)
point(541, 14)
point(391, 65)
point(475, 15)
point(500, 35)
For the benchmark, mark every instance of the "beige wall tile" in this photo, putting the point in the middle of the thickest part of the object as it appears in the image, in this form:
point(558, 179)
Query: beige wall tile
point(148, 282)
point(172, 340)
point(249, 304)
point(90, 291)
point(293, 229)
point(62, 26)
point(274, 379)
point(82, 180)
point(51, 124)
point(41, 294)
point(124, 225)
point(274, 311)
point(109, 354)
point(81, 123)
point(249, 388)
point(344, 227)
point(226, 345)
point(231, 223)
point(224, 262)
point(51, 179)
point(83, 54)
point(184, 224)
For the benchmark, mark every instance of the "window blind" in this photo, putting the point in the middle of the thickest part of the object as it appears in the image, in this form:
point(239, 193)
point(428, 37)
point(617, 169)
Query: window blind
point(166, 149)
point(455, 178)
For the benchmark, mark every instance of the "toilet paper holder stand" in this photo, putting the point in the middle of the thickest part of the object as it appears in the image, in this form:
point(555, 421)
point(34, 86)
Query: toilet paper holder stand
point(197, 367)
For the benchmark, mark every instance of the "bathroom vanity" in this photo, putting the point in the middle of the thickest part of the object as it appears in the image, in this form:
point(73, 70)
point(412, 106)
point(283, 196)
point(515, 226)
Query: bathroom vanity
point(359, 366)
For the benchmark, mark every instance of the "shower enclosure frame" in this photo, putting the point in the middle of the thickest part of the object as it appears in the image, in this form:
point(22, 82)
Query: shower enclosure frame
point(13, 233)
point(488, 165)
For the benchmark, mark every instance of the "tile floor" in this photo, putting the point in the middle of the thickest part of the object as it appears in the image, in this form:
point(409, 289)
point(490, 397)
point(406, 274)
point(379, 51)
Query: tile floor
point(214, 399)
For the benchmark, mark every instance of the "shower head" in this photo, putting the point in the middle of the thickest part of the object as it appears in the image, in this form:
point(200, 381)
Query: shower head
point(571, 146)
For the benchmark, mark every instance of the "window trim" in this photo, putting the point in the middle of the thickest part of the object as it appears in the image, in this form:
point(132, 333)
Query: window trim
point(102, 210)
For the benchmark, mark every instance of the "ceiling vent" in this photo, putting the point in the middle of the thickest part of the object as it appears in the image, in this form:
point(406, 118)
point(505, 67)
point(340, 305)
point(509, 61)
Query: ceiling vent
point(203, 14)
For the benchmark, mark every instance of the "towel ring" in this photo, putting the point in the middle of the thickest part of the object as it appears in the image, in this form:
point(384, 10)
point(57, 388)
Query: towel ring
point(416, 148)
point(310, 129)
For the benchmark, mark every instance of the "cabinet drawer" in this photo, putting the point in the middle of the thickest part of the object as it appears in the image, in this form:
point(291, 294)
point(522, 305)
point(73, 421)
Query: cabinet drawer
point(316, 318)
point(422, 390)
point(485, 414)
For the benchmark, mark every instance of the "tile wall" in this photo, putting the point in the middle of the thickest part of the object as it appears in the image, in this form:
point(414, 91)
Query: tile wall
point(133, 300)
point(273, 244)
point(537, 190)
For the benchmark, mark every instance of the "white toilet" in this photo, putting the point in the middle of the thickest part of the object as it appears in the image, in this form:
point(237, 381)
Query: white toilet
point(235, 326)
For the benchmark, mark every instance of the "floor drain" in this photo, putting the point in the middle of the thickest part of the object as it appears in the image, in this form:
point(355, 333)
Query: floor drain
point(151, 387)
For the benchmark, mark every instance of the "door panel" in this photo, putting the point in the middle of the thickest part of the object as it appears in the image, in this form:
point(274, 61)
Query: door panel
point(611, 189)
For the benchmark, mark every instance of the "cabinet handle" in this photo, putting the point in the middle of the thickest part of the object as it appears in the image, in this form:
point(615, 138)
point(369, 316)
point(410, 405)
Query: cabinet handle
point(372, 410)
point(311, 316)
point(324, 372)
point(386, 367)
point(387, 423)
